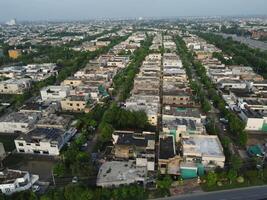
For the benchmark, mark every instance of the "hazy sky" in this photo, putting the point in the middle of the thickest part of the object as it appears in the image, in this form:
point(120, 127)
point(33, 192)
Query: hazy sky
point(91, 9)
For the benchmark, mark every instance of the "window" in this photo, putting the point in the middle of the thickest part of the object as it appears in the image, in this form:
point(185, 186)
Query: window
point(78, 104)
point(20, 144)
point(45, 152)
point(71, 104)
point(21, 150)
point(36, 151)
point(37, 144)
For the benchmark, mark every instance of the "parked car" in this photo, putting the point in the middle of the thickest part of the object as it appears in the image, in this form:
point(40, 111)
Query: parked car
point(75, 179)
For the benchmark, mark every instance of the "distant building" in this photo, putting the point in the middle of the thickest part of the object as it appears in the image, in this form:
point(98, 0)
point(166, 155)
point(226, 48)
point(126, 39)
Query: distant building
point(11, 22)
point(12, 181)
point(14, 53)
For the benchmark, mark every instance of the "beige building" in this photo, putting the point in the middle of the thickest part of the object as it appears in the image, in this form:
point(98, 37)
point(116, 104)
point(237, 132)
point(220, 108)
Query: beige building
point(14, 86)
point(14, 53)
point(74, 103)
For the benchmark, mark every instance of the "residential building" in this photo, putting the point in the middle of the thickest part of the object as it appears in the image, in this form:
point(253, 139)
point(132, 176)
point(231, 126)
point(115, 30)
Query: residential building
point(15, 86)
point(204, 149)
point(14, 53)
point(54, 93)
point(44, 141)
point(12, 181)
point(18, 122)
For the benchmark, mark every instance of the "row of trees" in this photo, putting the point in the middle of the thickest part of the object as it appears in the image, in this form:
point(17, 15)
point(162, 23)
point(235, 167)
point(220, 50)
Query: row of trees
point(188, 59)
point(236, 126)
point(241, 54)
point(123, 81)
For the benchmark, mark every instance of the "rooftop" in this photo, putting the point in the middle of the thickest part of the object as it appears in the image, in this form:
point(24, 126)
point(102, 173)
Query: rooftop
point(120, 172)
point(203, 145)
point(166, 147)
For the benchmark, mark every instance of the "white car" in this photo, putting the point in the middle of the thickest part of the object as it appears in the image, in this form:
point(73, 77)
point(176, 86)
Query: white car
point(35, 188)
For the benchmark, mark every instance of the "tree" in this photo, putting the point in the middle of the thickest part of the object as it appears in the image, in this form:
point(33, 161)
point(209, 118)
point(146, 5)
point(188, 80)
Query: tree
point(212, 178)
point(231, 175)
point(106, 131)
point(164, 184)
point(236, 163)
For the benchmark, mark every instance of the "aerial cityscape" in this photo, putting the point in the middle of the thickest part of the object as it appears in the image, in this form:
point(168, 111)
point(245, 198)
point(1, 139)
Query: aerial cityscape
point(133, 100)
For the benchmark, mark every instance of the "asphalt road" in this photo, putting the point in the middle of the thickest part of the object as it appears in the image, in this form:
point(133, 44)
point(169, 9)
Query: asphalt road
point(251, 193)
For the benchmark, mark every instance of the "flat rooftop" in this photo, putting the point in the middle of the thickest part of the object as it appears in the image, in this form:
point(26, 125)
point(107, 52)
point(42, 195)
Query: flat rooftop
point(179, 111)
point(166, 147)
point(120, 172)
point(205, 145)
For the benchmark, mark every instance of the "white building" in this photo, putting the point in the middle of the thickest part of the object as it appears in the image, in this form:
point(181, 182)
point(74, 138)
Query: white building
point(18, 122)
point(12, 181)
point(54, 93)
point(45, 141)
point(205, 149)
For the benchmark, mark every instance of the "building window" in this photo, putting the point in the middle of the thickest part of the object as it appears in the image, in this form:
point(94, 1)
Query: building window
point(20, 144)
point(77, 104)
point(45, 152)
point(21, 150)
point(36, 151)
point(37, 144)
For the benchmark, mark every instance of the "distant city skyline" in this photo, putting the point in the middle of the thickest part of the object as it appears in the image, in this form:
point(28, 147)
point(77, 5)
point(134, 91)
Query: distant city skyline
point(33, 10)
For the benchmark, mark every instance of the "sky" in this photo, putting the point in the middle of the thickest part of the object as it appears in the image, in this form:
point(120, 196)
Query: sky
point(95, 9)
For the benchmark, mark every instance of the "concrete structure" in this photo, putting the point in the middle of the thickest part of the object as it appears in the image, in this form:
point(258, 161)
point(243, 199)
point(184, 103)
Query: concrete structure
point(18, 122)
point(14, 53)
point(117, 173)
point(205, 149)
point(12, 181)
point(74, 103)
point(168, 160)
point(15, 86)
point(54, 93)
point(44, 141)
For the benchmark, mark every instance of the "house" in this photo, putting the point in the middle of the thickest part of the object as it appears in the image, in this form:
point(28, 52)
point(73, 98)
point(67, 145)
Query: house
point(138, 146)
point(54, 93)
point(150, 104)
point(14, 53)
point(255, 120)
point(44, 141)
point(15, 86)
point(182, 127)
point(12, 181)
point(168, 160)
point(18, 122)
point(51, 120)
point(204, 149)
point(75, 103)
point(117, 173)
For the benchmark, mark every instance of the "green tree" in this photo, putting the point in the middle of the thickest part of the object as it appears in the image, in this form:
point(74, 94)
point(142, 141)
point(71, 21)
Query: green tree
point(212, 178)
point(232, 175)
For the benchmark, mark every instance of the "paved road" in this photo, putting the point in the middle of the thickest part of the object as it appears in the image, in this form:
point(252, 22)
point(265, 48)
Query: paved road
point(250, 42)
point(251, 193)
